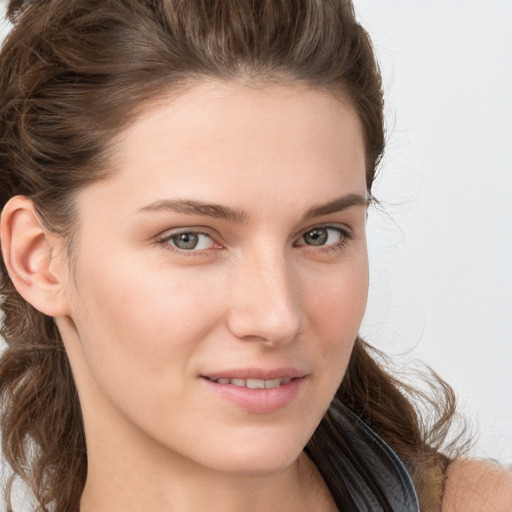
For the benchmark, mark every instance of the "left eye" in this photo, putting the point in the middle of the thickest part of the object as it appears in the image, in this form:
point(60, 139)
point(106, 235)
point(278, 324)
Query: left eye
point(322, 236)
point(190, 241)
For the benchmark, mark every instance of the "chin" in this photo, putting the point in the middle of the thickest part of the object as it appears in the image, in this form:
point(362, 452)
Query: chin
point(256, 463)
point(263, 452)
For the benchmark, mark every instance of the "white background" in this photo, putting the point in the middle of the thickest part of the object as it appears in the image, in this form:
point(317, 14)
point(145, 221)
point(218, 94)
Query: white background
point(441, 254)
point(441, 265)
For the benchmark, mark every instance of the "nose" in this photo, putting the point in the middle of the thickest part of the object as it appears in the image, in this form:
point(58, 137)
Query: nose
point(264, 301)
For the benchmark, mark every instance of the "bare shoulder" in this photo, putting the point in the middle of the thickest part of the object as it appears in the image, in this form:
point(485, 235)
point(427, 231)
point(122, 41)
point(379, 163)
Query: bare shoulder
point(477, 486)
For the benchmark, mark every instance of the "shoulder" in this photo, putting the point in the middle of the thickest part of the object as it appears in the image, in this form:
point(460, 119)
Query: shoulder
point(477, 486)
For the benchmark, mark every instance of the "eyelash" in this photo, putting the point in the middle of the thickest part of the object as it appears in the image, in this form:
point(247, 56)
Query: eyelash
point(345, 237)
point(165, 242)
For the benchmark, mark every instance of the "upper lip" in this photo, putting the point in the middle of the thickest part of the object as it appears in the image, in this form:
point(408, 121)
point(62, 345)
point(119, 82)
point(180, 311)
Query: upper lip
point(256, 373)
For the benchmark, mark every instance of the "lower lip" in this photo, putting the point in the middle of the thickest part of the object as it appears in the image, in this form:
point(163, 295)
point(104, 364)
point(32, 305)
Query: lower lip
point(258, 401)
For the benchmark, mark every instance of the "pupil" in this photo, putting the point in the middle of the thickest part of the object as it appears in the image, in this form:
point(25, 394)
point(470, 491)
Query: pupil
point(186, 241)
point(316, 236)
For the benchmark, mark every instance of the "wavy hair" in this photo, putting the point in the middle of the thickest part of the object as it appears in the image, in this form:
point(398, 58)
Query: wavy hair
point(73, 73)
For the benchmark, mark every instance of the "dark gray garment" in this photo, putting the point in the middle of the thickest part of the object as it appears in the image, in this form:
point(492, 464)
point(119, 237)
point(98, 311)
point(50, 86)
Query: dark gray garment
point(372, 477)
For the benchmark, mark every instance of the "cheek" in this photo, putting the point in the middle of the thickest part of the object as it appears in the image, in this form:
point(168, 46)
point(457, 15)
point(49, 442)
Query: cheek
point(336, 314)
point(138, 333)
point(338, 306)
point(139, 325)
point(127, 297)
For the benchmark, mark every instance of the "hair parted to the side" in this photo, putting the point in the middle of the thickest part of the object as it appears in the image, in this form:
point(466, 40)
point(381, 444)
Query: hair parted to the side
point(73, 74)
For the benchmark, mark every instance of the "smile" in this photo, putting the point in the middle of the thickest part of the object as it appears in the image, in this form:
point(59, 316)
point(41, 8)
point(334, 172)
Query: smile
point(255, 383)
point(257, 391)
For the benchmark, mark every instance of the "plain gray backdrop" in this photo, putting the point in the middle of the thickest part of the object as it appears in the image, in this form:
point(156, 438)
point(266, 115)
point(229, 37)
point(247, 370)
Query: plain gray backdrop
point(441, 278)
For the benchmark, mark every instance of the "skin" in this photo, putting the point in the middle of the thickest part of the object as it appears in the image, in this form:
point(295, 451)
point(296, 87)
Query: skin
point(144, 323)
point(476, 486)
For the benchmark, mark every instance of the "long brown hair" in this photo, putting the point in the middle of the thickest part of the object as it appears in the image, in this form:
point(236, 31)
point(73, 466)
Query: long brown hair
point(73, 73)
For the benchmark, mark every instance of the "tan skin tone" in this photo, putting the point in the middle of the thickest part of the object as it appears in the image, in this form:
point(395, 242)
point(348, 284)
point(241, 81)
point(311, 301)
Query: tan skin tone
point(474, 486)
point(166, 292)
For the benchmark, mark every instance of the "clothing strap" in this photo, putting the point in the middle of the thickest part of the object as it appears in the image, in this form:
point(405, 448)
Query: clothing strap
point(361, 470)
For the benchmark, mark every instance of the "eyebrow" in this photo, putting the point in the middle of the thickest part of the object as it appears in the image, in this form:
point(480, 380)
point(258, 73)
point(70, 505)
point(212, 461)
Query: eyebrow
point(197, 208)
point(240, 216)
point(337, 205)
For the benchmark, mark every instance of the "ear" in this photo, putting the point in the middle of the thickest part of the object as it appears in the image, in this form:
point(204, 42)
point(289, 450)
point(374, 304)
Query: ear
point(34, 258)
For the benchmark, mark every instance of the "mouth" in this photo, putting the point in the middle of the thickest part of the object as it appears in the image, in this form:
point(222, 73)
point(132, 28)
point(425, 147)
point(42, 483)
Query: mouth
point(255, 390)
point(254, 383)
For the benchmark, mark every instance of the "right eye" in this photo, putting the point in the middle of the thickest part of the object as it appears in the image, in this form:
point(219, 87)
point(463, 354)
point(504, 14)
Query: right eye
point(189, 241)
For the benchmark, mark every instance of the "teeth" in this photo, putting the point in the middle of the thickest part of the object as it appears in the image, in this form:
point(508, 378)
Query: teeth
point(273, 383)
point(255, 383)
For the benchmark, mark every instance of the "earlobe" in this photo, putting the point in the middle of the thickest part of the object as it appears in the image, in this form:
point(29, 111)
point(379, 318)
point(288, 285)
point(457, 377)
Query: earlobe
point(32, 258)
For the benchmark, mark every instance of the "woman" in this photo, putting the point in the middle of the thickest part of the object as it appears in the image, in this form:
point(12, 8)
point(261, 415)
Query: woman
point(184, 189)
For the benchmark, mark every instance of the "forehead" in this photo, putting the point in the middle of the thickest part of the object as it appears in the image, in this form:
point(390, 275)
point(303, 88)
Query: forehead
point(218, 140)
point(227, 107)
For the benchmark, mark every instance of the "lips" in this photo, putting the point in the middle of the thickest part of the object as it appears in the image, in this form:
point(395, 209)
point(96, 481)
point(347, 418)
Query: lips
point(265, 374)
point(256, 390)
point(255, 383)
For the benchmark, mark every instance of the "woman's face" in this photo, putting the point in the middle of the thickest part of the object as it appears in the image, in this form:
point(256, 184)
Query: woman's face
point(220, 276)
